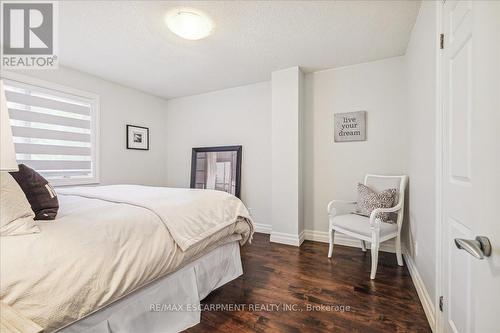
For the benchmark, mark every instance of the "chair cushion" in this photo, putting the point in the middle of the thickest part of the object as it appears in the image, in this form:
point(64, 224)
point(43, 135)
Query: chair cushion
point(361, 225)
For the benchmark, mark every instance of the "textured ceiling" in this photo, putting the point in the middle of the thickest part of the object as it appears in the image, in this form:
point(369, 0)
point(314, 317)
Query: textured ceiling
point(127, 41)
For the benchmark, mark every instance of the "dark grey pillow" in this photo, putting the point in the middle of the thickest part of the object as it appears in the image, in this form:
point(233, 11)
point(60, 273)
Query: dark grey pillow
point(368, 200)
point(40, 194)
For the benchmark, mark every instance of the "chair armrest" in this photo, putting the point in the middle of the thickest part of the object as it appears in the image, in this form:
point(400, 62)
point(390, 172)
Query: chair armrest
point(374, 221)
point(335, 207)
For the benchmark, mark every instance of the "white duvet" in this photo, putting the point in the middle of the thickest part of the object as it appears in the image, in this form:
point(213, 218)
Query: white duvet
point(109, 241)
point(189, 214)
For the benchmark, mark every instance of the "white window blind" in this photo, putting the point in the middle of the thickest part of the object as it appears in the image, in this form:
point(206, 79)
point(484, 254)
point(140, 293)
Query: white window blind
point(54, 132)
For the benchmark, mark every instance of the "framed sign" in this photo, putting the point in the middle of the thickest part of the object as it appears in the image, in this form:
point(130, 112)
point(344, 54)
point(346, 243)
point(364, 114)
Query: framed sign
point(217, 168)
point(350, 126)
point(137, 137)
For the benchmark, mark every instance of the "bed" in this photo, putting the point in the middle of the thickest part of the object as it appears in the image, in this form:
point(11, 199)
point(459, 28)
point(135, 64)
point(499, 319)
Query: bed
point(125, 258)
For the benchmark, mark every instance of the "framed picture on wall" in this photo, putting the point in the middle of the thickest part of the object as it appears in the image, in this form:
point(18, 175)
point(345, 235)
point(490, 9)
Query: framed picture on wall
point(137, 137)
point(217, 168)
point(350, 126)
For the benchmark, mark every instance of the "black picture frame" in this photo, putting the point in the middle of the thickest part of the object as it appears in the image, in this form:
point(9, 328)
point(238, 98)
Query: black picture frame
point(237, 149)
point(128, 137)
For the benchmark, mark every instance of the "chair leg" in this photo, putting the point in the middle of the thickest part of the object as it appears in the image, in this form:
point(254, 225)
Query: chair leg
point(330, 249)
point(363, 246)
point(398, 250)
point(374, 250)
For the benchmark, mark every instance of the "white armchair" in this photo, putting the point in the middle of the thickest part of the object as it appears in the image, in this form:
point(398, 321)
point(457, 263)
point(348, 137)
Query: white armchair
point(370, 229)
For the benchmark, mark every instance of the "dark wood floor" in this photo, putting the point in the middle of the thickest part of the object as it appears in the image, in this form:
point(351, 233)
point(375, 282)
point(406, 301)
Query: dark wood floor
point(280, 274)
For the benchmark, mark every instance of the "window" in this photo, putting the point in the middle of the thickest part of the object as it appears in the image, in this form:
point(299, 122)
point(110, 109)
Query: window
point(55, 130)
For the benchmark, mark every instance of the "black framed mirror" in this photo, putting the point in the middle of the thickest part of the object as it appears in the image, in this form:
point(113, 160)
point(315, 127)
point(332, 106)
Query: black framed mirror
point(217, 168)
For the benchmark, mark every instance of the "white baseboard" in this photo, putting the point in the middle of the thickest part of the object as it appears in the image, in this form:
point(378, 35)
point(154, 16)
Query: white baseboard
point(341, 239)
point(423, 295)
point(288, 239)
point(263, 228)
point(318, 236)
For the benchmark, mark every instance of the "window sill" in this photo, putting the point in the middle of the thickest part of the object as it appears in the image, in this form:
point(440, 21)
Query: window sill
point(74, 182)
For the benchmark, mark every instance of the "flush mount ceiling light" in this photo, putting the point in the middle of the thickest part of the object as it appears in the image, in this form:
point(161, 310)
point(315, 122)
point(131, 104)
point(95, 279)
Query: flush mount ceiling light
point(189, 23)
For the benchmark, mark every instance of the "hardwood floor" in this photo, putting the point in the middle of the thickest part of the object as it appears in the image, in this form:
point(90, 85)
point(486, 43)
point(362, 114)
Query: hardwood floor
point(303, 277)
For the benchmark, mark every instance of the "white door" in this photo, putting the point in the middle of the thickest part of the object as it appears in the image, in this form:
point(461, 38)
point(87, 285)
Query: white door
point(470, 90)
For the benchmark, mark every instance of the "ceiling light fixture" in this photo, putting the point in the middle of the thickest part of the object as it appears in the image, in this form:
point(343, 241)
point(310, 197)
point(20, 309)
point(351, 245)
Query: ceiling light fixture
point(189, 24)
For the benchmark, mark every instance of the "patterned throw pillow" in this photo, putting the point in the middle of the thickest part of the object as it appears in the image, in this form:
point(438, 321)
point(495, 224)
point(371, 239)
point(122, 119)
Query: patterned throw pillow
point(368, 200)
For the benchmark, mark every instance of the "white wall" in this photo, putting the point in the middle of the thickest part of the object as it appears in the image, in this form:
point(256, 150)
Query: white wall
point(119, 106)
point(236, 116)
point(332, 170)
point(421, 85)
point(286, 179)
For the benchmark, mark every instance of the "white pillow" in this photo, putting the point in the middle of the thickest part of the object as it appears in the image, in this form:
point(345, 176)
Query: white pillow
point(16, 216)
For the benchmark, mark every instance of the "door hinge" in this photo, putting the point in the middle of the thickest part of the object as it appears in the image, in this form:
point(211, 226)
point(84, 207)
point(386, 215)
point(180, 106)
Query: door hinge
point(441, 303)
point(441, 41)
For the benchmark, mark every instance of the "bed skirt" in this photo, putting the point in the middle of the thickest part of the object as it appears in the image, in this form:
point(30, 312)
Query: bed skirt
point(172, 303)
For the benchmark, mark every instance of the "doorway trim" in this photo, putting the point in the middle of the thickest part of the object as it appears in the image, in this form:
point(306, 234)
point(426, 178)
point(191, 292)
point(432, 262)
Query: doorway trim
point(439, 169)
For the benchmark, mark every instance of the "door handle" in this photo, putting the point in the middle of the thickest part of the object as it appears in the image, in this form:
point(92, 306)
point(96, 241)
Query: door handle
point(478, 248)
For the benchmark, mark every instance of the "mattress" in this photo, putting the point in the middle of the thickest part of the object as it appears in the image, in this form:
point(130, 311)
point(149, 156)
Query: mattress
point(96, 252)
